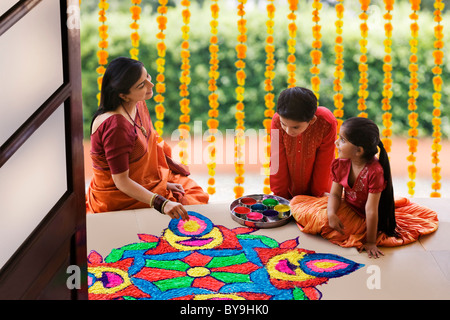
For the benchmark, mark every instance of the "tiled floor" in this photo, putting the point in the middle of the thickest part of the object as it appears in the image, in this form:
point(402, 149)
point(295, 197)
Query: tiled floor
point(417, 271)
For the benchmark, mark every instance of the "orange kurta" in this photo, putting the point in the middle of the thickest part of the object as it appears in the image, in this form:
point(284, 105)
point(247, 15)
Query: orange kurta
point(412, 221)
point(301, 164)
point(148, 166)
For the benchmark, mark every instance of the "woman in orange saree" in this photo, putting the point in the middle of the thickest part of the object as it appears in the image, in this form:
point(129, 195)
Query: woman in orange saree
point(132, 166)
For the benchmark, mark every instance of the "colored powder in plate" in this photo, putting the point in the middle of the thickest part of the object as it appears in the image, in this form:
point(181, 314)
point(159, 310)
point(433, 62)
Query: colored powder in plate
point(248, 201)
point(254, 216)
point(259, 207)
point(270, 202)
point(241, 210)
point(282, 208)
point(270, 213)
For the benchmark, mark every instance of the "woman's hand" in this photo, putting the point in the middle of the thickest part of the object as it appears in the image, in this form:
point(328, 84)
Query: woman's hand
point(372, 250)
point(336, 223)
point(175, 187)
point(175, 210)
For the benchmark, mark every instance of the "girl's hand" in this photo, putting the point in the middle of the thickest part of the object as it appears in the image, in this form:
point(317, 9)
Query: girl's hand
point(372, 250)
point(175, 210)
point(336, 223)
point(175, 187)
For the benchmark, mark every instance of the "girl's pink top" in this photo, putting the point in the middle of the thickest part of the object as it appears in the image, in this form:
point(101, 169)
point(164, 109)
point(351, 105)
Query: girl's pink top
point(369, 180)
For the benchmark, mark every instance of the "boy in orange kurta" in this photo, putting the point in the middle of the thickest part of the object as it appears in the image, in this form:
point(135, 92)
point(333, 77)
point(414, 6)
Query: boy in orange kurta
point(302, 145)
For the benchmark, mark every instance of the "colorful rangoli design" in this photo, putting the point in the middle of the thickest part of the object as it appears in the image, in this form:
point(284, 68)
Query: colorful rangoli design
point(197, 260)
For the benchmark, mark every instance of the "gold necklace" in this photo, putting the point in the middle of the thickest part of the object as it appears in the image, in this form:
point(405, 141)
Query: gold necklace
point(144, 132)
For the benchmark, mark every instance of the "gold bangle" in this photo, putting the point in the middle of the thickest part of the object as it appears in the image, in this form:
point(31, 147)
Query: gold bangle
point(163, 205)
point(152, 199)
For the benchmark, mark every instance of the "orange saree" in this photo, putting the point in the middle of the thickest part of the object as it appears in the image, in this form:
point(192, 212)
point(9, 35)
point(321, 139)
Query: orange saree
point(150, 165)
point(412, 221)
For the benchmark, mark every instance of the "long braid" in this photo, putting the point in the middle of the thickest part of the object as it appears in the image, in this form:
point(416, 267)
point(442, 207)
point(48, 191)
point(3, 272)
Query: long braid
point(364, 133)
point(386, 207)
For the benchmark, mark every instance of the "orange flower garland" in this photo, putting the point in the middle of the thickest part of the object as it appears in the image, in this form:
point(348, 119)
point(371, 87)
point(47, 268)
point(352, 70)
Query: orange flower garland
point(241, 50)
point(339, 70)
point(160, 86)
point(213, 113)
point(269, 97)
point(387, 68)
point(316, 54)
point(185, 80)
point(363, 67)
point(413, 95)
point(135, 10)
point(102, 54)
point(438, 55)
point(291, 67)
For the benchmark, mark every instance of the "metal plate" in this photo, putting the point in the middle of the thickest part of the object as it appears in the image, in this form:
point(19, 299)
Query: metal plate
point(265, 223)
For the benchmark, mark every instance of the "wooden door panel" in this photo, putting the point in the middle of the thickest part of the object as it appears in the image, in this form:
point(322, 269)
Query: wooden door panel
point(38, 267)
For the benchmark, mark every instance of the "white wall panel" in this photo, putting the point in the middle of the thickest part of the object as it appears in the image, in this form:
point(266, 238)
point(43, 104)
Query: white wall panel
point(30, 65)
point(31, 182)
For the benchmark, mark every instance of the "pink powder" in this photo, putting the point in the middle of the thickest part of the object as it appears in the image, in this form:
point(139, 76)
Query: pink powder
point(254, 216)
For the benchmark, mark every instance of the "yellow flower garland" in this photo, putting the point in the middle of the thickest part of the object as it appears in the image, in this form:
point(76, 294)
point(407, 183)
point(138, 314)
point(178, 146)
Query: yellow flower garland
point(102, 54)
point(241, 50)
point(135, 10)
point(413, 95)
point(387, 68)
point(291, 67)
point(160, 86)
point(185, 80)
point(316, 54)
point(438, 55)
point(213, 113)
point(363, 67)
point(269, 97)
point(339, 62)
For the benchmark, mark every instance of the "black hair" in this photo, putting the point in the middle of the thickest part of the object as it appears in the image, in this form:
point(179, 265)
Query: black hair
point(297, 103)
point(363, 132)
point(119, 77)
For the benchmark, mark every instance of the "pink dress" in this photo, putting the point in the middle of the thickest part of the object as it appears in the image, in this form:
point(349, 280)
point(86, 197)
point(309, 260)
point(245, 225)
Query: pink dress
point(369, 180)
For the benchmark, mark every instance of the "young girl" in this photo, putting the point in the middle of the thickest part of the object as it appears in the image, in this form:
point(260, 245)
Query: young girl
point(367, 216)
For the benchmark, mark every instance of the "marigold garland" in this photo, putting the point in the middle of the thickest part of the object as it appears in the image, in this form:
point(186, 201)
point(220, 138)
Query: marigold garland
point(135, 10)
point(185, 80)
point(269, 96)
point(438, 55)
point(339, 62)
point(387, 68)
point(291, 67)
point(160, 86)
point(213, 113)
point(363, 66)
point(316, 54)
point(413, 94)
point(102, 54)
point(241, 50)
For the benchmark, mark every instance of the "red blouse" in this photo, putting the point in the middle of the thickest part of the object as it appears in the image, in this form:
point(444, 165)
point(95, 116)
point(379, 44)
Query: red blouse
point(115, 139)
point(301, 165)
point(369, 180)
